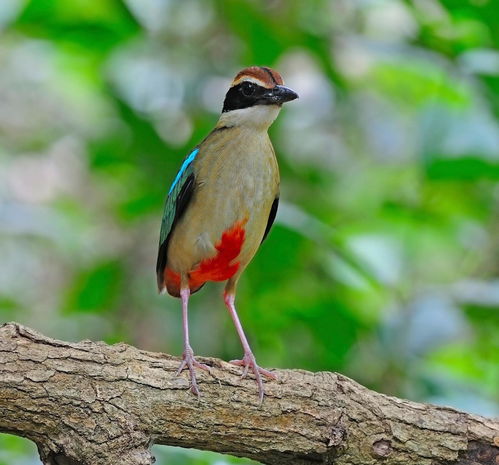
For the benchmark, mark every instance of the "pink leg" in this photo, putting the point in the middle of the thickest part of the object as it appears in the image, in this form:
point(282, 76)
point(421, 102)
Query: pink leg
point(248, 360)
point(188, 360)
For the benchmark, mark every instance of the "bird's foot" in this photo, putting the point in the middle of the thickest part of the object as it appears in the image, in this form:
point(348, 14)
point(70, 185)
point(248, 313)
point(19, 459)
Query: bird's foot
point(249, 362)
point(189, 362)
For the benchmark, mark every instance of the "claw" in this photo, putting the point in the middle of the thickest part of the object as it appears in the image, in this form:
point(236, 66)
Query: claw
point(248, 361)
point(189, 362)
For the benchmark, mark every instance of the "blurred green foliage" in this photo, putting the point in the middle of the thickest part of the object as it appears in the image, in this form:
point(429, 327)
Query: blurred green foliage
point(383, 263)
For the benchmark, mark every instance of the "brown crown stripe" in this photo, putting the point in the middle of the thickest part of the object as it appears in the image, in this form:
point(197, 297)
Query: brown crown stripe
point(266, 76)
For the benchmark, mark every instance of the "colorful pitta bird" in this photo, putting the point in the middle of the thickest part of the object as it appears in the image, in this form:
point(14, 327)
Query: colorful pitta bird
point(222, 203)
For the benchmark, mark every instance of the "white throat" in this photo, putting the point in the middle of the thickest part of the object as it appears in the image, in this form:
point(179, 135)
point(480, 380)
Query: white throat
point(258, 116)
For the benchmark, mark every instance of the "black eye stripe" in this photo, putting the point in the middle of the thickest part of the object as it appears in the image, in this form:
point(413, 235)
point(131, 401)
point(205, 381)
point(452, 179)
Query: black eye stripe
point(237, 98)
point(247, 88)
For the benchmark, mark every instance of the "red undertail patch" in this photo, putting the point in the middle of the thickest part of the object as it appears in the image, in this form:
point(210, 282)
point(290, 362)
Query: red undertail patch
point(221, 266)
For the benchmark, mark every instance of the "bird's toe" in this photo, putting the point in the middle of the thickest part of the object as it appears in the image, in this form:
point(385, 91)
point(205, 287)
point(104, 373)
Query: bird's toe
point(249, 362)
point(190, 363)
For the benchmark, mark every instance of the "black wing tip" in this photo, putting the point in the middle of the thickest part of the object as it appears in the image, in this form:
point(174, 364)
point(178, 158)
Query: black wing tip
point(272, 215)
point(161, 265)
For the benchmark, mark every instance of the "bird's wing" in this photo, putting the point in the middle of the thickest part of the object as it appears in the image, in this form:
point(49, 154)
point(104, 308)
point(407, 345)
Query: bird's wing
point(178, 198)
point(272, 214)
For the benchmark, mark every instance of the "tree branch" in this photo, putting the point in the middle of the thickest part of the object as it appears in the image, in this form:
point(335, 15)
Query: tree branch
point(90, 403)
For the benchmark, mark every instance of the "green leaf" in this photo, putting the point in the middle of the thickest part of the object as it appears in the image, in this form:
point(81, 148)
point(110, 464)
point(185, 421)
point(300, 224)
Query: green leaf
point(96, 289)
point(461, 169)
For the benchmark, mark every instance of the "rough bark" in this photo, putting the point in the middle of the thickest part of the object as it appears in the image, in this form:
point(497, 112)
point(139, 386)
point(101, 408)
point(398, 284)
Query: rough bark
point(93, 404)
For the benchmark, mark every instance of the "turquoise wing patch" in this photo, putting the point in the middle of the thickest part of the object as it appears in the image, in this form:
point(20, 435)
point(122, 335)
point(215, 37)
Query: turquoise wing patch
point(183, 180)
point(188, 160)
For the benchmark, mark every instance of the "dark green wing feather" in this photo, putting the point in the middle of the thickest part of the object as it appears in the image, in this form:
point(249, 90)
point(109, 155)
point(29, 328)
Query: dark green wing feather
point(176, 203)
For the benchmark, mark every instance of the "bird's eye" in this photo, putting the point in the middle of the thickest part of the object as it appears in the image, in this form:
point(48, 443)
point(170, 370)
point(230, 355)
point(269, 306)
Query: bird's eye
point(248, 88)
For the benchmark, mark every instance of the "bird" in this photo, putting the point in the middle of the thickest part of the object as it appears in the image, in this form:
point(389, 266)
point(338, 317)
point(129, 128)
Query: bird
point(221, 205)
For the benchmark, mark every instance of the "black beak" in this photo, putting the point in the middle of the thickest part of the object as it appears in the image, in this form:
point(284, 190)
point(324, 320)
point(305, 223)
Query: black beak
point(279, 95)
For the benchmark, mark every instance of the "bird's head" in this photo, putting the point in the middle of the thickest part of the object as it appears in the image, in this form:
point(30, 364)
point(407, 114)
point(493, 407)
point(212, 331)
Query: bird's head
point(255, 97)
